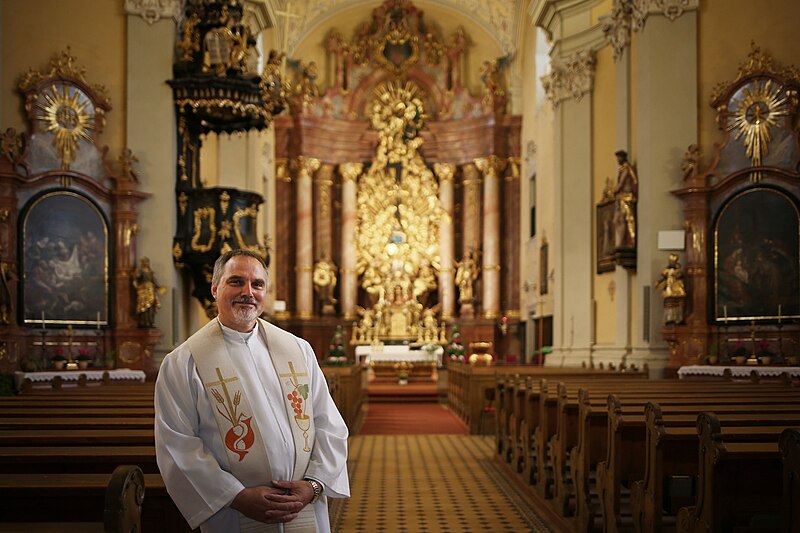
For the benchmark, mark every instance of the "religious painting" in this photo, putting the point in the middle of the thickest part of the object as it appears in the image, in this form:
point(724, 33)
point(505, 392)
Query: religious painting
point(605, 236)
point(64, 244)
point(757, 257)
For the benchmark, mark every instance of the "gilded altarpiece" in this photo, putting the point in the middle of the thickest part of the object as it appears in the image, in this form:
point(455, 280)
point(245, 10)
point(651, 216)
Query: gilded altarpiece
point(743, 226)
point(412, 153)
point(68, 226)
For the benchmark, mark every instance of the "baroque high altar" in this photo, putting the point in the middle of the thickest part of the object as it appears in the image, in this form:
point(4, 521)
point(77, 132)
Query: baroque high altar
point(397, 191)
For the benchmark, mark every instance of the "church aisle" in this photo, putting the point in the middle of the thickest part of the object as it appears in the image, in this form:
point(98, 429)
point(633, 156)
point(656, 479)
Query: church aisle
point(429, 484)
point(411, 419)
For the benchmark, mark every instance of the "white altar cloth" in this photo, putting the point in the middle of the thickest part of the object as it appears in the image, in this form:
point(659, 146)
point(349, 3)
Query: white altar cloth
point(737, 371)
point(47, 376)
point(397, 354)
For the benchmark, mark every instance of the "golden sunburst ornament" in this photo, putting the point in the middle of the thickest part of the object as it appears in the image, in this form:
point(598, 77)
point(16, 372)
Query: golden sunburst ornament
point(69, 114)
point(757, 111)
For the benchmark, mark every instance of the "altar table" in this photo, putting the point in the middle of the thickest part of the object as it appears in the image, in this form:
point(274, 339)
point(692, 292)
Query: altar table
point(737, 371)
point(46, 377)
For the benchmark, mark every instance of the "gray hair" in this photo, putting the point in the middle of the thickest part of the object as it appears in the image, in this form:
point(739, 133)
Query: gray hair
point(219, 265)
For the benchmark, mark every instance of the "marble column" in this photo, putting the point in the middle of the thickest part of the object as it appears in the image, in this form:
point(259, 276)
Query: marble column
point(471, 210)
point(349, 275)
point(447, 296)
point(304, 308)
point(471, 225)
point(323, 222)
point(491, 167)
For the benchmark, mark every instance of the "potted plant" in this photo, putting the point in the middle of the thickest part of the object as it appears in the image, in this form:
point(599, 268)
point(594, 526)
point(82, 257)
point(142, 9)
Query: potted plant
point(712, 358)
point(83, 358)
point(740, 353)
point(58, 359)
point(402, 378)
point(455, 349)
point(337, 353)
point(764, 352)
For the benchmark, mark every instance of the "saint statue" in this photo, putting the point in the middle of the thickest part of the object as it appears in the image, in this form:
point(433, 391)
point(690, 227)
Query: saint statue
point(147, 291)
point(673, 290)
point(466, 274)
point(625, 193)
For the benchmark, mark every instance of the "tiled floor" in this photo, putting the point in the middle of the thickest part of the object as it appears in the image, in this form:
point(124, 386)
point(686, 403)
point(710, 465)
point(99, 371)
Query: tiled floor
point(428, 484)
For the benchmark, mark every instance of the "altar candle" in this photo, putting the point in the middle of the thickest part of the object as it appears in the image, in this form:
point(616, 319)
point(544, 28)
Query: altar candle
point(779, 313)
point(725, 312)
point(43, 325)
point(98, 320)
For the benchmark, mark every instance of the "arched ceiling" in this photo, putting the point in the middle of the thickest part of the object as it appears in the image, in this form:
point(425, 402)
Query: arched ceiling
point(298, 18)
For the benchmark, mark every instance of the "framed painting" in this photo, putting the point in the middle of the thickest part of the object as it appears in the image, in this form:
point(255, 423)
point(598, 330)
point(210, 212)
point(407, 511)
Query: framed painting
point(757, 257)
point(64, 251)
point(604, 230)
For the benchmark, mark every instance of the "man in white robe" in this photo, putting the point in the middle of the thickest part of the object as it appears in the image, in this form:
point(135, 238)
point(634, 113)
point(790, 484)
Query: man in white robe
point(194, 459)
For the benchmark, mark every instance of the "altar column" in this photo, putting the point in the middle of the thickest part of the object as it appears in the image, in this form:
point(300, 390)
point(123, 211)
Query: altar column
point(445, 172)
point(323, 221)
point(490, 266)
point(349, 292)
point(471, 223)
point(304, 308)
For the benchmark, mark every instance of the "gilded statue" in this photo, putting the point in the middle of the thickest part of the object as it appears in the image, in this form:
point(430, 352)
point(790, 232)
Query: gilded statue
point(324, 279)
point(147, 292)
point(626, 193)
point(466, 274)
point(673, 290)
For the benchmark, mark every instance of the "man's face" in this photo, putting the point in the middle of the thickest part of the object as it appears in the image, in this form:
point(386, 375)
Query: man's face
point(240, 292)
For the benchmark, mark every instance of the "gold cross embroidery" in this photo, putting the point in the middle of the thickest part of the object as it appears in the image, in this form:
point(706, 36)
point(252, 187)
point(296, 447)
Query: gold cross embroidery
point(224, 383)
point(294, 375)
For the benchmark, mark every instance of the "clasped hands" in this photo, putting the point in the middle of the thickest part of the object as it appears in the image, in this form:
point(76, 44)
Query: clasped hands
point(276, 504)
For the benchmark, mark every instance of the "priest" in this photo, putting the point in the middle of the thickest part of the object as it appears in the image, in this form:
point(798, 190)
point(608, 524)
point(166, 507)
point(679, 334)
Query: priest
point(247, 435)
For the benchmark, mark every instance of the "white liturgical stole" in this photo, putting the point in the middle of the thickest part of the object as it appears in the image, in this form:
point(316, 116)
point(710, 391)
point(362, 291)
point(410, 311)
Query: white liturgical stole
point(242, 437)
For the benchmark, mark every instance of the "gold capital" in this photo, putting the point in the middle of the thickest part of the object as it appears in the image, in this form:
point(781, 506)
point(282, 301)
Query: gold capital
point(350, 171)
point(307, 166)
point(444, 171)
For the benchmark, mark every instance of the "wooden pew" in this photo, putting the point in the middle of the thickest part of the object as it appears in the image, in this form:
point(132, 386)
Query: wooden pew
point(78, 502)
point(738, 482)
point(625, 459)
point(790, 451)
point(671, 452)
point(579, 424)
point(75, 459)
point(77, 437)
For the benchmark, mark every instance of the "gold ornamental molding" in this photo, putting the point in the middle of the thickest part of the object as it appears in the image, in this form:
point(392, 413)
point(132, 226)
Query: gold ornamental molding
point(154, 10)
point(204, 213)
point(758, 62)
point(571, 77)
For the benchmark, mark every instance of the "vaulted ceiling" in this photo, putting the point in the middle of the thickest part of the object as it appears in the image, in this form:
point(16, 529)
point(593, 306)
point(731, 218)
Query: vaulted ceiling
point(298, 18)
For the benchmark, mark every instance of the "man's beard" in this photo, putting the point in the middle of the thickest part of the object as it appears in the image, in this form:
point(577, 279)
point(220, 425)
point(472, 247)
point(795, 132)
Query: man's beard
point(245, 314)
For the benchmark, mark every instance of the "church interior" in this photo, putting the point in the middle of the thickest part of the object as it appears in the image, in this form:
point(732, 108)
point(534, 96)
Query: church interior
point(547, 252)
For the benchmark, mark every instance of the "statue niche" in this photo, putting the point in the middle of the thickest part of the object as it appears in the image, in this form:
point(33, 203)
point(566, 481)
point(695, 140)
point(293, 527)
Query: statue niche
point(398, 223)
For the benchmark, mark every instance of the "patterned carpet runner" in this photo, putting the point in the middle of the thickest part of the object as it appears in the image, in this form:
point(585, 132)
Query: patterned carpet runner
point(411, 419)
point(429, 484)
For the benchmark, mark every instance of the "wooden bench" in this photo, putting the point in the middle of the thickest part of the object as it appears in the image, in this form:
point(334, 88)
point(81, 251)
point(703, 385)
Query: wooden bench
point(85, 502)
point(625, 461)
point(671, 453)
point(738, 482)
